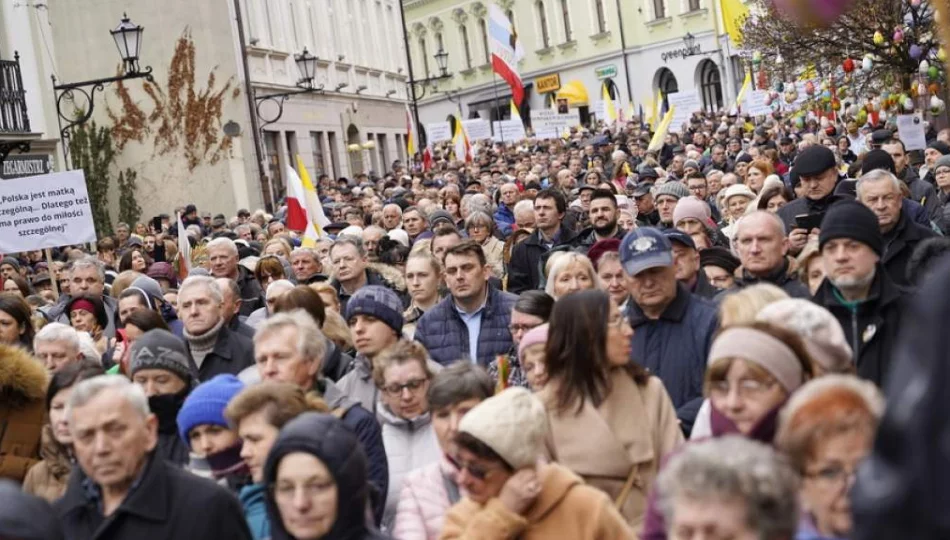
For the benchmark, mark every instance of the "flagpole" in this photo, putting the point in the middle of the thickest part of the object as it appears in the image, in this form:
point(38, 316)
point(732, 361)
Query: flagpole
point(494, 87)
point(420, 141)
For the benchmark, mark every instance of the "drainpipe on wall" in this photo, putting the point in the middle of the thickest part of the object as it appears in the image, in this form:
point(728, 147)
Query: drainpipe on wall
point(266, 194)
point(623, 57)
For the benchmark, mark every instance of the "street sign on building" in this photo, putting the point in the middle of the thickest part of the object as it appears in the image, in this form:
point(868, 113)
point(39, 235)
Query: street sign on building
point(548, 83)
point(20, 165)
point(606, 72)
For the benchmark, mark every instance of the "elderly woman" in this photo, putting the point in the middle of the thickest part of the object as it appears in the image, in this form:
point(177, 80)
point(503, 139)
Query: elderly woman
point(729, 488)
point(819, 329)
point(508, 494)
point(428, 492)
point(480, 226)
point(570, 272)
point(605, 256)
point(735, 202)
point(532, 309)
point(826, 431)
point(88, 314)
point(402, 376)
point(611, 421)
point(752, 371)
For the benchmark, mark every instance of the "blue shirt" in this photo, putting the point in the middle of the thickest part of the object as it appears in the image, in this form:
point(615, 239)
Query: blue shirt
point(473, 321)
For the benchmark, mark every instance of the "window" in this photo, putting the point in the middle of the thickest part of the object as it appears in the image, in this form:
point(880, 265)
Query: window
point(383, 144)
point(711, 86)
point(601, 16)
point(543, 24)
point(292, 19)
point(316, 146)
point(312, 38)
point(334, 21)
point(659, 9)
point(270, 24)
point(424, 53)
point(373, 155)
point(466, 47)
point(694, 5)
point(483, 28)
point(334, 149)
point(566, 18)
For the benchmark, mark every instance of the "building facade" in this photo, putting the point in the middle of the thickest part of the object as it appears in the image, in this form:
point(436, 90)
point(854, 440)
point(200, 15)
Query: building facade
point(574, 48)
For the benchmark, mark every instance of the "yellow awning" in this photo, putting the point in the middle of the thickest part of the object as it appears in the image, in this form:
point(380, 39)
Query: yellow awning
point(574, 92)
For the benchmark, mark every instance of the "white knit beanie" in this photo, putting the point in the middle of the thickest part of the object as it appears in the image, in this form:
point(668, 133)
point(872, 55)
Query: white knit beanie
point(512, 423)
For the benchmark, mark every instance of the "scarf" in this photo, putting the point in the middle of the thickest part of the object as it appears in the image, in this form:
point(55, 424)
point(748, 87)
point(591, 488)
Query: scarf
point(763, 431)
point(165, 407)
point(201, 346)
point(227, 462)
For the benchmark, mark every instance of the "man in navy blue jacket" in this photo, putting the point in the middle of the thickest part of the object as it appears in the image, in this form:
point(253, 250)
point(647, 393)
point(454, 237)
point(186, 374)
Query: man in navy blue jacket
point(673, 329)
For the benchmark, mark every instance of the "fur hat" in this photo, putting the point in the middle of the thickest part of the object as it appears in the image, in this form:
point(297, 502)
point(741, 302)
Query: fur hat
point(512, 423)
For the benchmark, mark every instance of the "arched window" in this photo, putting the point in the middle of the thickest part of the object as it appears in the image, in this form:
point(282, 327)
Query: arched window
point(424, 53)
point(466, 46)
point(483, 28)
point(710, 85)
point(543, 23)
point(601, 14)
point(666, 83)
point(566, 18)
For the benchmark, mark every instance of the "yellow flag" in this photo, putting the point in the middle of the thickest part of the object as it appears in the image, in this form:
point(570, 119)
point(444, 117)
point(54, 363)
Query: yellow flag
point(314, 208)
point(746, 86)
point(660, 136)
point(734, 13)
point(610, 110)
point(515, 113)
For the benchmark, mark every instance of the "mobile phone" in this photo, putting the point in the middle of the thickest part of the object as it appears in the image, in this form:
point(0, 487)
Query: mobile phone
point(157, 224)
point(809, 221)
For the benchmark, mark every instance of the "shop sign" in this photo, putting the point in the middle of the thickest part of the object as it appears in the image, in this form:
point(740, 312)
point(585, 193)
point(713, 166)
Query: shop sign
point(548, 83)
point(605, 72)
point(681, 52)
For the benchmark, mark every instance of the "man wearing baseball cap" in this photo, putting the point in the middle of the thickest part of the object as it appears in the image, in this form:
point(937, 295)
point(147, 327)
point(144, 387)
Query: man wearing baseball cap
point(857, 289)
point(817, 170)
point(673, 329)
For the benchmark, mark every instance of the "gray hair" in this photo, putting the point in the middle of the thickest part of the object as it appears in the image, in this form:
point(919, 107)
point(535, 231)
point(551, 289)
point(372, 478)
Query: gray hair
point(202, 281)
point(87, 348)
point(393, 205)
point(55, 331)
point(243, 227)
point(417, 210)
point(375, 229)
point(354, 241)
point(87, 390)
point(305, 251)
point(776, 221)
point(735, 468)
point(225, 243)
point(480, 218)
point(523, 207)
point(478, 202)
point(232, 287)
point(311, 343)
point(877, 175)
point(89, 262)
point(277, 287)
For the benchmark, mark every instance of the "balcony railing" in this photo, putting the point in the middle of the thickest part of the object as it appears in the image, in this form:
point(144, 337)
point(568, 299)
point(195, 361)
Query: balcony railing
point(13, 116)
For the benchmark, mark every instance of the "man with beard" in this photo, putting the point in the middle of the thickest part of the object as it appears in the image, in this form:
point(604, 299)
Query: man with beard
point(857, 289)
point(603, 221)
point(817, 169)
point(159, 364)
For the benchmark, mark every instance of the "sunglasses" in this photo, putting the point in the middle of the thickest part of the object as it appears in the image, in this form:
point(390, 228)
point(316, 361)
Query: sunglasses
point(477, 472)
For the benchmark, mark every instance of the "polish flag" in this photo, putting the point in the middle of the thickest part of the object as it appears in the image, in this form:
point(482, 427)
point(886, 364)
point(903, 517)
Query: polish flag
point(506, 51)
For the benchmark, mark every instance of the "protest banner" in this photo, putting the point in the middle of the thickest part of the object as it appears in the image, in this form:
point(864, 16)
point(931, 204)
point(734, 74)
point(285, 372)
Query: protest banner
point(910, 127)
point(546, 119)
point(686, 103)
point(46, 211)
point(508, 130)
point(477, 129)
point(438, 132)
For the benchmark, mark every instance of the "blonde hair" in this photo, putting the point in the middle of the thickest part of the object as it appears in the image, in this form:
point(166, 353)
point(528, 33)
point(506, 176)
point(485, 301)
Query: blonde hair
point(123, 281)
point(325, 287)
point(336, 330)
point(284, 246)
point(560, 261)
point(742, 306)
point(403, 352)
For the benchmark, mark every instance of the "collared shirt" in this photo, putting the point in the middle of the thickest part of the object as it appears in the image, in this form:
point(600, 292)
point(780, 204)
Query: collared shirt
point(473, 322)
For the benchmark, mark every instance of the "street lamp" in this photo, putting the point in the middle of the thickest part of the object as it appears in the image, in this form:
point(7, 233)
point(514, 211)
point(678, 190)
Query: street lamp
point(128, 40)
point(442, 60)
point(307, 67)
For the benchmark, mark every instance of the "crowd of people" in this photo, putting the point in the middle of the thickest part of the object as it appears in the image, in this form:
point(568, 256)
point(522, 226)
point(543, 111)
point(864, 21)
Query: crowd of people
point(572, 338)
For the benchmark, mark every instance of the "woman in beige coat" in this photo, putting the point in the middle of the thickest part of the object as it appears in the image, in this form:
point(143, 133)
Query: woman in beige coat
point(611, 422)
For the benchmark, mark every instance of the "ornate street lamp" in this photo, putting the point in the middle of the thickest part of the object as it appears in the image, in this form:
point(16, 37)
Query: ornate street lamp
point(307, 68)
point(128, 40)
point(442, 60)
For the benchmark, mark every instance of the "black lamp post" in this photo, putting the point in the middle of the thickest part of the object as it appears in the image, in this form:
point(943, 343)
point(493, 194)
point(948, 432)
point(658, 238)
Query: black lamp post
point(307, 67)
point(128, 40)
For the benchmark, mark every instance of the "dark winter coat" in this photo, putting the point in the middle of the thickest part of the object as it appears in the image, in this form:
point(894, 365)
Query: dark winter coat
point(23, 382)
point(238, 326)
point(231, 354)
point(703, 288)
point(167, 502)
point(336, 363)
point(444, 334)
point(504, 219)
point(372, 278)
point(674, 348)
point(329, 440)
point(781, 277)
point(24, 516)
point(899, 489)
point(252, 296)
point(804, 205)
point(920, 191)
point(899, 245)
point(587, 238)
point(524, 268)
point(871, 327)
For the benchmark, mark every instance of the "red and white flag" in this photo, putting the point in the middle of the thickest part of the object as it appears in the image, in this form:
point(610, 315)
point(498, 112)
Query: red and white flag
point(506, 51)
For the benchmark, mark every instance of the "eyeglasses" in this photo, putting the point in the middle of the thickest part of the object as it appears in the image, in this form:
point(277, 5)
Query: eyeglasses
point(832, 475)
point(413, 386)
point(746, 388)
point(476, 471)
point(515, 328)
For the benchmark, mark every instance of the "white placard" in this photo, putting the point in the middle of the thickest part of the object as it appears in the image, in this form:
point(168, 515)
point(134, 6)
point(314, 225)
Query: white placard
point(46, 211)
point(910, 127)
point(508, 130)
point(686, 104)
point(546, 118)
point(547, 133)
point(438, 132)
point(753, 103)
point(477, 129)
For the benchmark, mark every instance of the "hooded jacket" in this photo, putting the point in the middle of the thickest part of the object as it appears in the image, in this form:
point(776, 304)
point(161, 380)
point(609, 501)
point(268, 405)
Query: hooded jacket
point(565, 508)
point(326, 438)
point(410, 444)
point(23, 382)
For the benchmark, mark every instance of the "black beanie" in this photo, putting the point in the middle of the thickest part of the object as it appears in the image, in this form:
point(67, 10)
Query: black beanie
point(719, 257)
point(852, 220)
point(878, 159)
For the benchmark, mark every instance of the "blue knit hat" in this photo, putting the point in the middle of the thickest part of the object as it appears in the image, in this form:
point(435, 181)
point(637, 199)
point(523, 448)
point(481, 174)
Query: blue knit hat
point(378, 302)
point(206, 403)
